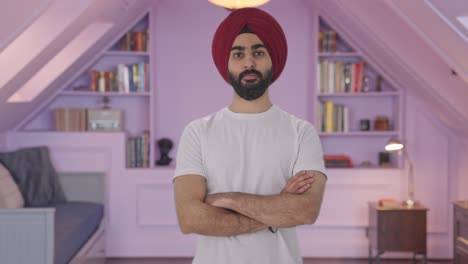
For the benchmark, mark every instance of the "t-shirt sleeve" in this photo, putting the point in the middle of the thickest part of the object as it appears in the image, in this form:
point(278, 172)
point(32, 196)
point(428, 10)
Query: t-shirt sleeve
point(310, 154)
point(189, 153)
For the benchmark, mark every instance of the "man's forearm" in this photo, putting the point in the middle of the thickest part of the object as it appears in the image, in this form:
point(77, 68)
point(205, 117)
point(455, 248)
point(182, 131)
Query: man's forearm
point(214, 221)
point(282, 210)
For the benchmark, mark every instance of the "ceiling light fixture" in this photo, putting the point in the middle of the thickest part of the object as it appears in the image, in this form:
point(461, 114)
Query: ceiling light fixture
point(236, 4)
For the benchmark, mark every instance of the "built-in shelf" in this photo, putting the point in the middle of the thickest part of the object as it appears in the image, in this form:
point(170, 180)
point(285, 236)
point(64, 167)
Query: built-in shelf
point(360, 94)
point(74, 133)
point(338, 54)
point(88, 93)
point(359, 134)
point(126, 53)
point(154, 169)
point(356, 168)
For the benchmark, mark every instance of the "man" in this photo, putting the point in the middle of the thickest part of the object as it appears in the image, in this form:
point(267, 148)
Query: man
point(244, 174)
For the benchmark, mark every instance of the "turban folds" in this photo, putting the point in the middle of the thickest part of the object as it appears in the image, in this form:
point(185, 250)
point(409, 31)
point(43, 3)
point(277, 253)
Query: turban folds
point(263, 25)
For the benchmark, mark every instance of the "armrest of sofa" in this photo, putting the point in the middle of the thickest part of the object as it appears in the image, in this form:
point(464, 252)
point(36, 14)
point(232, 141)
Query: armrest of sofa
point(27, 235)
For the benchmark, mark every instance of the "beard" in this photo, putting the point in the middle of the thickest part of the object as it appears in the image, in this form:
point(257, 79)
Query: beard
point(251, 91)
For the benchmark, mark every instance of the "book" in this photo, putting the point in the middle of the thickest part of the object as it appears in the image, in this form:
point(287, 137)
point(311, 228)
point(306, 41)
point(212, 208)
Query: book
point(70, 119)
point(329, 106)
point(337, 161)
point(389, 202)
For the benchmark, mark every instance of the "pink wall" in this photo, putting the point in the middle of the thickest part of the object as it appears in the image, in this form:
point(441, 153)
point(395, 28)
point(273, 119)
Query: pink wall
point(188, 84)
point(462, 174)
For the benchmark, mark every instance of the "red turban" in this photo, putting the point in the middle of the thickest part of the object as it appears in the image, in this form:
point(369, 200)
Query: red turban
point(263, 25)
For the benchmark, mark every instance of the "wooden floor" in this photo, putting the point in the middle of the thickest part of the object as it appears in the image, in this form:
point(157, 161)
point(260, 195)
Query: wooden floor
point(306, 261)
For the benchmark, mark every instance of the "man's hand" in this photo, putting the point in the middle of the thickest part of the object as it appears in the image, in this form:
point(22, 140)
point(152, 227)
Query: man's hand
point(299, 183)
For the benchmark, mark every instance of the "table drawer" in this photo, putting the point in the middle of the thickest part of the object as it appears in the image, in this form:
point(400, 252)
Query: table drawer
point(460, 259)
point(402, 231)
point(461, 230)
point(461, 215)
point(461, 245)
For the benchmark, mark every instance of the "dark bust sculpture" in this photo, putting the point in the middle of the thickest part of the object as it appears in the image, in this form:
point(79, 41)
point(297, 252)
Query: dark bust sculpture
point(165, 146)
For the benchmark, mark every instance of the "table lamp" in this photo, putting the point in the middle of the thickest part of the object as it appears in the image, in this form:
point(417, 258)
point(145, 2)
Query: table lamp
point(396, 145)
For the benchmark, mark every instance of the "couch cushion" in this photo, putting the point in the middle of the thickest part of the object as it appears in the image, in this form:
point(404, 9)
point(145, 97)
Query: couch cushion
point(35, 175)
point(75, 223)
point(10, 196)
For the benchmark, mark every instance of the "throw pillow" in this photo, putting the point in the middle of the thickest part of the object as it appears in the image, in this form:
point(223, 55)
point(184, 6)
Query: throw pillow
point(35, 175)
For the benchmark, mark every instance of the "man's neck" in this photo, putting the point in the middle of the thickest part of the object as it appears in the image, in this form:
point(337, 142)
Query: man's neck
point(260, 105)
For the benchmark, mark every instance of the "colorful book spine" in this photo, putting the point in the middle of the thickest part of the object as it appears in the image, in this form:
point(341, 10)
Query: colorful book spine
point(141, 77)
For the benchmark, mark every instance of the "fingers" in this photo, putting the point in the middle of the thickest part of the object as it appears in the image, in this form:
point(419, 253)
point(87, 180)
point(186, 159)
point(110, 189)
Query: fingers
point(297, 175)
point(302, 174)
point(299, 182)
point(296, 180)
point(304, 188)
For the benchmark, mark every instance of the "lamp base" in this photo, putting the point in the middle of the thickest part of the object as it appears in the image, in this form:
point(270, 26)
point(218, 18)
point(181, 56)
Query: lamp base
point(410, 203)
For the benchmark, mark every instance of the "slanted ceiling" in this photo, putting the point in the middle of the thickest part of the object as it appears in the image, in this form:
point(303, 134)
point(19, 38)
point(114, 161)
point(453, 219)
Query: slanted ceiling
point(119, 13)
point(417, 44)
point(18, 18)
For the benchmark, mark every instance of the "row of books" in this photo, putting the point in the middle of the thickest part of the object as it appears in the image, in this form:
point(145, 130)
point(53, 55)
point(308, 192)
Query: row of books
point(337, 161)
point(134, 41)
point(127, 78)
point(327, 41)
point(138, 150)
point(332, 117)
point(70, 119)
point(341, 77)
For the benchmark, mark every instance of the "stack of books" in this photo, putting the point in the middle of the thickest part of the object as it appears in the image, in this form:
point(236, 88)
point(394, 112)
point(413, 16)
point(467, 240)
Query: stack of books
point(138, 150)
point(70, 119)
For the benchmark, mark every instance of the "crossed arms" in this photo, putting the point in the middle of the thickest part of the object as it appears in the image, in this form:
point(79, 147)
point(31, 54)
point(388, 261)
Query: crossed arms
point(230, 214)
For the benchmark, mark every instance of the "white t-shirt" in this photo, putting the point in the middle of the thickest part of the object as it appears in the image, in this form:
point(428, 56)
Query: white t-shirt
point(249, 153)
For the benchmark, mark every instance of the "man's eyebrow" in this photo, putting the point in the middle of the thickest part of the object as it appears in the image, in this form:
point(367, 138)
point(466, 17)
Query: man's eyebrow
point(241, 48)
point(254, 47)
point(257, 46)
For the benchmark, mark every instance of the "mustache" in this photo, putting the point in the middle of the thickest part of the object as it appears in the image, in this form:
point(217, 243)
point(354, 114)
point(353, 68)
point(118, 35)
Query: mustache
point(252, 71)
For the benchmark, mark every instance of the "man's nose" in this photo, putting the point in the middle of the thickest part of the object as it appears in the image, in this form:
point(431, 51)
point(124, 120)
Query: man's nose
point(249, 63)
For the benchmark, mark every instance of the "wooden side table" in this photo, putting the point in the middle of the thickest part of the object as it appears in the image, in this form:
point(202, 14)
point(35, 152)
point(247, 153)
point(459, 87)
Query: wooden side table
point(397, 228)
point(460, 232)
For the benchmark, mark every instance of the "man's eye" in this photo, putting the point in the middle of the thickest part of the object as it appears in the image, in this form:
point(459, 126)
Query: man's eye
point(259, 53)
point(238, 55)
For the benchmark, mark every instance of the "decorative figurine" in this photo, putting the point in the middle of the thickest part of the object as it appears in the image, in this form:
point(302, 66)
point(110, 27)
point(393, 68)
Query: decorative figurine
point(365, 87)
point(378, 87)
point(364, 124)
point(165, 146)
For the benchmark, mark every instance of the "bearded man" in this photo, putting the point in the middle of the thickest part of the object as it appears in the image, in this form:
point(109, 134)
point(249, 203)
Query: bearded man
point(248, 174)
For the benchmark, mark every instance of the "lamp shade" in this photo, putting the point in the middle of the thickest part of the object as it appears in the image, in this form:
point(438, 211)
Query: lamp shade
point(394, 145)
point(236, 4)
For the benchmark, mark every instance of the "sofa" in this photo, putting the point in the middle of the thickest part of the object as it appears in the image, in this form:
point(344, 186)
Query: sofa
point(38, 223)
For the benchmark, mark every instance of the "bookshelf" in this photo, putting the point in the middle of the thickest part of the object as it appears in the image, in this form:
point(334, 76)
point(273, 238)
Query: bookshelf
point(121, 74)
point(357, 110)
point(101, 94)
